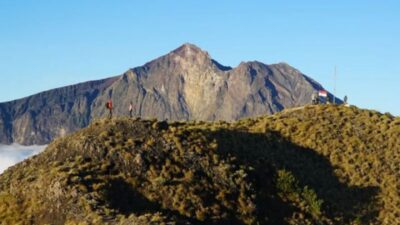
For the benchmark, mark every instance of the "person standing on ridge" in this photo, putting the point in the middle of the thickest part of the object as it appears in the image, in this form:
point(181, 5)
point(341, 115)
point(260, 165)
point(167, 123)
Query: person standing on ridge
point(109, 106)
point(314, 97)
point(328, 100)
point(130, 109)
point(345, 101)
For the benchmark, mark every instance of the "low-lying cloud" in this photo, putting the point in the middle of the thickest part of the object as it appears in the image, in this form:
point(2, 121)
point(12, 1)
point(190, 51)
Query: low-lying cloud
point(12, 154)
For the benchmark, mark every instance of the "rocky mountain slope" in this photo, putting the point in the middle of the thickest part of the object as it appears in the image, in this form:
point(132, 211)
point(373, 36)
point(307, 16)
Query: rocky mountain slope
point(39, 118)
point(313, 165)
point(185, 84)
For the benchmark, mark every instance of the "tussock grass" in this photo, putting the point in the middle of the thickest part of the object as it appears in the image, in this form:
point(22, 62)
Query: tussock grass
point(317, 165)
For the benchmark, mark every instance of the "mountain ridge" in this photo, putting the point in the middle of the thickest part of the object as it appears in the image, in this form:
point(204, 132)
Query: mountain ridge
point(184, 84)
point(321, 164)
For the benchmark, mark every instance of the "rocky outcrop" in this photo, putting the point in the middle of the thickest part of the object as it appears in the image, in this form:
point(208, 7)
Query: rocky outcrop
point(185, 84)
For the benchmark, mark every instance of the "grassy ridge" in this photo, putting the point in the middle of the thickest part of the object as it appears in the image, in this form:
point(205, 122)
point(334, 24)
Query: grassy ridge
point(317, 165)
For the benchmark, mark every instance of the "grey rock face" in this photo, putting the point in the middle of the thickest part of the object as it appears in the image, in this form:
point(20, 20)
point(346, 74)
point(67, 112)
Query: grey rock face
point(185, 84)
point(40, 118)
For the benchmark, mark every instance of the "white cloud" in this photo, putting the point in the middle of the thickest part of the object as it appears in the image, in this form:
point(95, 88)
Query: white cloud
point(12, 154)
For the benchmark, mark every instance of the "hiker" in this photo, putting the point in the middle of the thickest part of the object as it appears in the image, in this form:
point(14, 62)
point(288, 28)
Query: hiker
point(109, 106)
point(314, 99)
point(345, 101)
point(328, 100)
point(130, 109)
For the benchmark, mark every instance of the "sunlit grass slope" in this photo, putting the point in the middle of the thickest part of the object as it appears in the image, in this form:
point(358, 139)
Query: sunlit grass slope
point(314, 165)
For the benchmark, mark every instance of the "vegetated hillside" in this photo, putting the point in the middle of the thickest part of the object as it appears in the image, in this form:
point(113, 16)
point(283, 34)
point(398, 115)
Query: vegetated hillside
point(185, 84)
point(316, 165)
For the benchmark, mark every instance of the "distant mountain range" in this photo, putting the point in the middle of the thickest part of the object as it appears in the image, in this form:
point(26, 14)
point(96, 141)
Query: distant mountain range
point(185, 84)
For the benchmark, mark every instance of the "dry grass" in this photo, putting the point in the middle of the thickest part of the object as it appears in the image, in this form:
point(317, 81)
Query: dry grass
point(318, 165)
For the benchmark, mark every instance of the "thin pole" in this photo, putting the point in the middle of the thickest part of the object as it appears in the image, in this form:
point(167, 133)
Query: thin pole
point(334, 87)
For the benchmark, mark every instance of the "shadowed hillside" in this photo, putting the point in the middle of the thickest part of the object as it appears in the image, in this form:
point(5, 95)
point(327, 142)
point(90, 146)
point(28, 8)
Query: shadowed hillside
point(315, 165)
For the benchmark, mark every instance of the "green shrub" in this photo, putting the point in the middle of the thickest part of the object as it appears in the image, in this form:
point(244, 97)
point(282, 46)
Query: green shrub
point(311, 198)
point(286, 182)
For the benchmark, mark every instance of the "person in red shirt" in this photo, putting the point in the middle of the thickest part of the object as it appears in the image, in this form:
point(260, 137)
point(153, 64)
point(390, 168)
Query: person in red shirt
point(109, 106)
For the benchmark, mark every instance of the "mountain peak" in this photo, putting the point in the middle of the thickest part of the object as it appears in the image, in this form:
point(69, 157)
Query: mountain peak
point(286, 68)
point(184, 84)
point(190, 50)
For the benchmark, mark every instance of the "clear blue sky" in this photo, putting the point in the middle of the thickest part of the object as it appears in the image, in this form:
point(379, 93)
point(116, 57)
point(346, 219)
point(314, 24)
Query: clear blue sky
point(48, 44)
